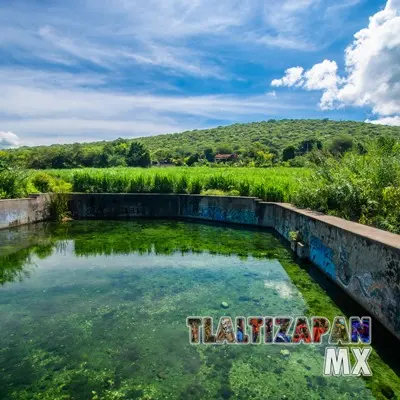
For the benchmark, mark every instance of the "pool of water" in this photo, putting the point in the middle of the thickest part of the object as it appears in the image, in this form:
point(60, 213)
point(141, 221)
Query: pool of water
point(97, 310)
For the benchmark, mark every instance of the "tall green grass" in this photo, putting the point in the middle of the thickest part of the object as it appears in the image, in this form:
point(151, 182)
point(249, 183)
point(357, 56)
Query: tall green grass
point(273, 184)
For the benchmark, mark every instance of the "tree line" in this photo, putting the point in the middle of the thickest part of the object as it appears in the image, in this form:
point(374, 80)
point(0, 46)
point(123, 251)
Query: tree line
point(291, 142)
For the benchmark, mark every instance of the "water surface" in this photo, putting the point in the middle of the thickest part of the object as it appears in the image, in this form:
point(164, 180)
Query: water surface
point(97, 310)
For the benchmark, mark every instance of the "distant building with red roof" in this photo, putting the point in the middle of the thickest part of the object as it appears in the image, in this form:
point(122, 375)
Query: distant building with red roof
point(225, 157)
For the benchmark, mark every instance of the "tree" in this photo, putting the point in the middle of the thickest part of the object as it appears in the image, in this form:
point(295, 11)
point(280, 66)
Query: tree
point(3, 160)
point(138, 155)
point(263, 159)
point(224, 149)
point(288, 153)
point(341, 144)
point(192, 159)
point(209, 154)
point(308, 145)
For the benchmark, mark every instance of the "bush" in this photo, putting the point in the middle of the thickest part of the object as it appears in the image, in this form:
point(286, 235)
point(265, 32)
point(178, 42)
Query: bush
point(360, 187)
point(13, 184)
point(58, 206)
point(43, 182)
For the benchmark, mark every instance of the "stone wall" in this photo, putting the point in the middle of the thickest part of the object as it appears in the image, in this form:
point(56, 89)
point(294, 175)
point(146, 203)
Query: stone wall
point(22, 211)
point(362, 260)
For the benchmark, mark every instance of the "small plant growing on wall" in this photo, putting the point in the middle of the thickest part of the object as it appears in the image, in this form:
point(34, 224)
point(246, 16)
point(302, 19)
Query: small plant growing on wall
point(58, 206)
point(295, 236)
point(297, 245)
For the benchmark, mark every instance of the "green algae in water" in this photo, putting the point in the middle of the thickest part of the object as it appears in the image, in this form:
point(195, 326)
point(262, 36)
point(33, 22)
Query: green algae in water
point(97, 310)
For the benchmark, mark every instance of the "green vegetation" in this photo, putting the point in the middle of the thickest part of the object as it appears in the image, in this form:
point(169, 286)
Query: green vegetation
point(16, 183)
point(360, 187)
point(275, 184)
point(256, 144)
point(58, 206)
point(13, 184)
point(347, 169)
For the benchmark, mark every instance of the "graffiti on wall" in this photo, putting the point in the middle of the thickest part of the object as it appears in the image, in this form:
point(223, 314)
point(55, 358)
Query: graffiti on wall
point(322, 256)
point(218, 213)
point(343, 270)
point(12, 218)
point(379, 289)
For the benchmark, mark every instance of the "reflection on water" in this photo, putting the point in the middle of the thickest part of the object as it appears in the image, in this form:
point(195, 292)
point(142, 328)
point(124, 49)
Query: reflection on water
point(97, 310)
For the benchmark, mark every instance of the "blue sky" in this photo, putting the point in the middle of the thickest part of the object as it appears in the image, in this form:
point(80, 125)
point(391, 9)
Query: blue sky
point(93, 70)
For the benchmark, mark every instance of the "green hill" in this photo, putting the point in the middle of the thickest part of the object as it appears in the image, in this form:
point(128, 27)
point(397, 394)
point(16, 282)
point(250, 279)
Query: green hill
point(246, 140)
point(273, 134)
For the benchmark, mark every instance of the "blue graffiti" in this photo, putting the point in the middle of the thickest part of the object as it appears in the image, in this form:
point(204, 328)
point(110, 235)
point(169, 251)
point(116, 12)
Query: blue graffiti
point(322, 256)
point(216, 213)
point(242, 216)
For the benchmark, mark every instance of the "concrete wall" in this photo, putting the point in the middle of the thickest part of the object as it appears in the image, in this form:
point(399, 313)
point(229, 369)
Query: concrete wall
point(364, 261)
point(22, 211)
point(123, 206)
point(242, 210)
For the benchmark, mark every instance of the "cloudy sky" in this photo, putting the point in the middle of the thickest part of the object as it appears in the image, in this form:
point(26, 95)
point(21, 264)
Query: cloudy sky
point(85, 70)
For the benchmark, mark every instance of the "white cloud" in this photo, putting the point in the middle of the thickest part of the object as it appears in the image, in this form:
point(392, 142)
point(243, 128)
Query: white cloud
point(323, 77)
point(392, 121)
point(372, 69)
point(66, 108)
point(8, 139)
point(293, 77)
point(23, 102)
point(373, 64)
point(183, 36)
point(86, 68)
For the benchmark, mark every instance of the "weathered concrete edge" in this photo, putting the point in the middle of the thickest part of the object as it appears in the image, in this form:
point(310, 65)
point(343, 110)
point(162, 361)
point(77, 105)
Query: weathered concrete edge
point(16, 212)
point(376, 235)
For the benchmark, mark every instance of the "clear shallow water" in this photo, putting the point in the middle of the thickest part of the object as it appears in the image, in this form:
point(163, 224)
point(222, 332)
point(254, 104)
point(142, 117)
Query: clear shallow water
point(97, 310)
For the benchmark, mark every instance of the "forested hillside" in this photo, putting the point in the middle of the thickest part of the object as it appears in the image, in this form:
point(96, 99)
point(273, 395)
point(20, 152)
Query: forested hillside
point(256, 144)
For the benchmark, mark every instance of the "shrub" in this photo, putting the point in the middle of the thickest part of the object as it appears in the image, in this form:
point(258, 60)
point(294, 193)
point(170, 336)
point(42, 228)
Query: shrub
point(13, 184)
point(360, 187)
point(58, 206)
point(43, 182)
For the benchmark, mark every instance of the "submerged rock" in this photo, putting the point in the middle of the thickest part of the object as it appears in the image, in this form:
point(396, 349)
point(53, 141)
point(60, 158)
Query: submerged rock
point(224, 304)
